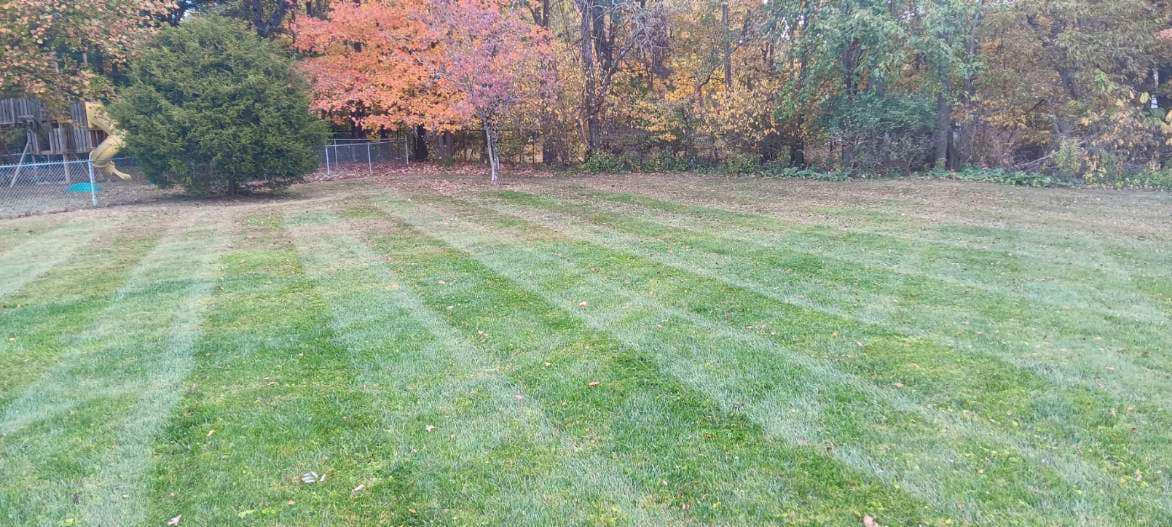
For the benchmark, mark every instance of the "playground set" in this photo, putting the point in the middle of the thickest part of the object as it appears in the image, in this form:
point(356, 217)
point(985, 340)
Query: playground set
point(84, 130)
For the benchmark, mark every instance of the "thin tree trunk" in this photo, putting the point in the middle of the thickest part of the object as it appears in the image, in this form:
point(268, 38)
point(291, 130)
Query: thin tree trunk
point(943, 123)
point(728, 80)
point(590, 119)
point(490, 142)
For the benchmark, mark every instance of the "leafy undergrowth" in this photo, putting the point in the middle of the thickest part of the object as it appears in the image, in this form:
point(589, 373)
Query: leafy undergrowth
point(593, 351)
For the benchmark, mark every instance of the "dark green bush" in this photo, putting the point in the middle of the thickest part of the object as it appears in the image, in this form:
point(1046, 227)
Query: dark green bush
point(602, 162)
point(740, 163)
point(782, 171)
point(215, 109)
point(997, 175)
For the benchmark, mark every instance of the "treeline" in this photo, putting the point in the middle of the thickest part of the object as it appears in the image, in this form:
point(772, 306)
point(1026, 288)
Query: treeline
point(1075, 90)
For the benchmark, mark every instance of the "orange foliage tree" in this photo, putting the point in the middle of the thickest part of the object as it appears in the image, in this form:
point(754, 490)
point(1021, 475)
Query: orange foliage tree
point(54, 50)
point(439, 63)
point(376, 62)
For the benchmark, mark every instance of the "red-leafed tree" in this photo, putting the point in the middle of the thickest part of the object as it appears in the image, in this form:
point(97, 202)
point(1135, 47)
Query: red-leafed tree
point(441, 63)
point(495, 58)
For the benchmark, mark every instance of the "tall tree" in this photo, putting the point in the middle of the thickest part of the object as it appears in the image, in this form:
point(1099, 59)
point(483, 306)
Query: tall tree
point(374, 63)
point(610, 32)
point(56, 50)
point(490, 54)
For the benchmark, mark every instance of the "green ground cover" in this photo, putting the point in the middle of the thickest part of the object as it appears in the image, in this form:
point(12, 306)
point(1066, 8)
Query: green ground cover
point(592, 351)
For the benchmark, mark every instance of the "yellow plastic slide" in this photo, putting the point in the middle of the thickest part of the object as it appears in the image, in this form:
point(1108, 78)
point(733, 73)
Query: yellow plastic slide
point(102, 154)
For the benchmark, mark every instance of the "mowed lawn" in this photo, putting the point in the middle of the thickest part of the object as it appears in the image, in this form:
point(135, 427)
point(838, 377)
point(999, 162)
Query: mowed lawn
point(610, 350)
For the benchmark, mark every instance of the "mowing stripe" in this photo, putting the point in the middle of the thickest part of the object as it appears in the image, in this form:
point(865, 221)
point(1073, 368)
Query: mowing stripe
point(1082, 254)
point(924, 477)
point(28, 260)
point(396, 340)
point(1069, 283)
point(673, 441)
point(270, 399)
point(46, 314)
point(125, 371)
point(988, 218)
point(950, 322)
point(117, 495)
point(1113, 440)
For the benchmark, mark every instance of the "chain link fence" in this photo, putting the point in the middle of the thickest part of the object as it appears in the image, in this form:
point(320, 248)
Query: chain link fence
point(41, 184)
point(347, 156)
point(57, 183)
point(46, 186)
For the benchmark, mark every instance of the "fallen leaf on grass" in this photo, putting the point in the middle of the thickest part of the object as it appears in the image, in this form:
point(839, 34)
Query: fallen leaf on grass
point(175, 520)
point(358, 489)
point(429, 428)
point(593, 384)
point(868, 521)
point(583, 304)
point(312, 477)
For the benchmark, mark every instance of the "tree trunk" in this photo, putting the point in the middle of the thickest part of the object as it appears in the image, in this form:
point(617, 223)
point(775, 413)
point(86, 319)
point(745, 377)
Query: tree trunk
point(728, 80)
point(550, 147)
point(490, 146)
point(943, 123)
point(962, 146)
point(797, 152)
point(589, 117)
point(420, 150)
point(448, 142)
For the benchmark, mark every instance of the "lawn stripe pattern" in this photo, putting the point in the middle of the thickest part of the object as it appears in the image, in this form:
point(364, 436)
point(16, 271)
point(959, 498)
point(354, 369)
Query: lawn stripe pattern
point(94, 414)
point(1078, 280)
point(1041, 459)
point(1085, 261)
point(681, 447)
point(45, 316)
point(272, 398)
point(905, 215)
point(592, 351)
point(953, 318)
point(512, 464)
point(1112, 439)
point(26, 261)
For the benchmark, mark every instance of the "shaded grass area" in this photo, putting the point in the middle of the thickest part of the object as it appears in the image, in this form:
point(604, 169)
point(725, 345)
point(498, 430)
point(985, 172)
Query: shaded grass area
point(571, 353)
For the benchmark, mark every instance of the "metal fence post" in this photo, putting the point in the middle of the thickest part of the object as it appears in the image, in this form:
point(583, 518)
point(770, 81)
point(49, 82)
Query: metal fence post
point(93, 185)
point(369, 164)
point(327, 160)
point(406, 150)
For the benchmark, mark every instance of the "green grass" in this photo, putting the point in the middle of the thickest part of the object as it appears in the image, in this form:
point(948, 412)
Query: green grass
point(592, 351)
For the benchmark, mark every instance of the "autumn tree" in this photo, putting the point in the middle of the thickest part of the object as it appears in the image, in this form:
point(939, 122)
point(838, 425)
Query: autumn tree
point(375, 63)
point(56, 50)
point(611, 32)
point(494, 58)
point(439, 63)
